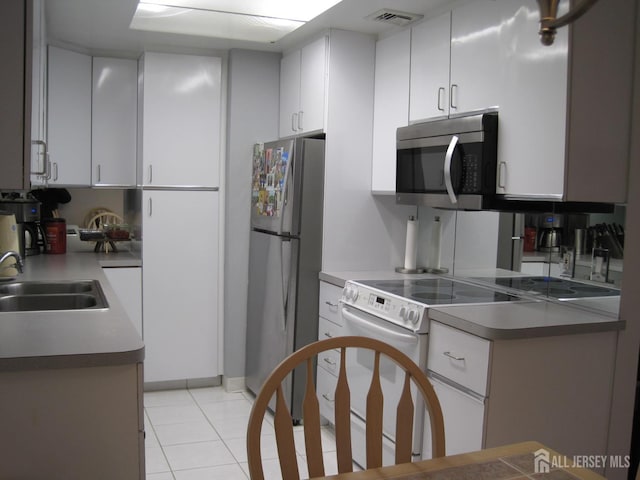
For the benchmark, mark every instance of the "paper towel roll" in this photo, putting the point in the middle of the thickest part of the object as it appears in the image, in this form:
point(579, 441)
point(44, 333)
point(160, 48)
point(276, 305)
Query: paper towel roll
point(8, 241)
point(433, 251)
point(411, 246)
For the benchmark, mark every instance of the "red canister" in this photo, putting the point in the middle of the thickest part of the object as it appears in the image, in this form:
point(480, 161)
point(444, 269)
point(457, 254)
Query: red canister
point(55, 229)
point(529, 239)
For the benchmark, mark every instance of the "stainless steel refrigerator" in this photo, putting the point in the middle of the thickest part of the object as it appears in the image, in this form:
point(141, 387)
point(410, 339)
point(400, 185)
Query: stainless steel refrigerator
point(285, 259)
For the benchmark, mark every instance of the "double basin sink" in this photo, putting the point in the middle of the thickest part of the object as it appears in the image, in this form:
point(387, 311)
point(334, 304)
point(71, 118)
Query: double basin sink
point(31, 296)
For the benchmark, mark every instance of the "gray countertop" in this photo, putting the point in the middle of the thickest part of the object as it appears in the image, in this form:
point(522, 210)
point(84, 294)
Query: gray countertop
point(527, 318)
point(78, 338)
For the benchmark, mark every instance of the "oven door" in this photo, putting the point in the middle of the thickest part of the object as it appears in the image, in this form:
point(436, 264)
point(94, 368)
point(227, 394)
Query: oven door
point(360, 370)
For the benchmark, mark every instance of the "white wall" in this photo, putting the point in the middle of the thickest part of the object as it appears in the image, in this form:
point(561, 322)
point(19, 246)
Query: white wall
point(253, 103)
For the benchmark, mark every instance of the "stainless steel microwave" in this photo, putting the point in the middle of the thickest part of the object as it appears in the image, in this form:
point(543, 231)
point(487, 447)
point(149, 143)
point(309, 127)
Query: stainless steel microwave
point(448, 163)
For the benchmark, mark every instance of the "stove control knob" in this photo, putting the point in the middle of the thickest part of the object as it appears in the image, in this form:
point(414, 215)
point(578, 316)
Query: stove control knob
point(412, 316)
point(403, 312)
point(351, 293)
point(354, 294)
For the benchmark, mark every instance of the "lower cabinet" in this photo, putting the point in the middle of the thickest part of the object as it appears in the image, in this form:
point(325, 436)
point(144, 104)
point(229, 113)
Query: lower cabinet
point(329, 326)
point(556, 390)
point(73, 423)
point(180, 284)
point(127, 283)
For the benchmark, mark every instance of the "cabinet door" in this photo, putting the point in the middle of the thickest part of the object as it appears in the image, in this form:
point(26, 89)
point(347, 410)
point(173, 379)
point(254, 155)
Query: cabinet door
point(114, 121)
point(289, 93)
point(313, 77)
point(430, 45)
point(127, 283)
point(181, 127)
point(39, 97)
point(476, 58)
point(180, 284)
point(69, 117)
point(391, 107)
point(531, 143)
point(12, 86)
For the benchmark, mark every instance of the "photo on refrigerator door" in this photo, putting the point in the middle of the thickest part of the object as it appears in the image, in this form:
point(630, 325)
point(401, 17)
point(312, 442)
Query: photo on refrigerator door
point(269, 178)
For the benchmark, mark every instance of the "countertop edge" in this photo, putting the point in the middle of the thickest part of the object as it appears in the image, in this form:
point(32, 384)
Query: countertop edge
point(84, 360)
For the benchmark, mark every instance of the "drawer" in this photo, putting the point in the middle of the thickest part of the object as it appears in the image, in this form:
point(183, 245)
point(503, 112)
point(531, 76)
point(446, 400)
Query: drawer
point(459, 356)
point(330, 361)
point(329, 296)
point(326, 388)
point(327, 329)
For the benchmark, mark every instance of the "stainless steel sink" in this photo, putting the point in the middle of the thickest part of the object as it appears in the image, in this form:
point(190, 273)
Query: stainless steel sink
point(43, 296)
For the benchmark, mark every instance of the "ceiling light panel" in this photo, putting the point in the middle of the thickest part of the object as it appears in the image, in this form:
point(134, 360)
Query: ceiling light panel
point(301, 10)
point(207, 23)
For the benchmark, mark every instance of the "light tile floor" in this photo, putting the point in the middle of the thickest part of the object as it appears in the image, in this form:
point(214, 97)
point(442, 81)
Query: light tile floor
point(200, 434)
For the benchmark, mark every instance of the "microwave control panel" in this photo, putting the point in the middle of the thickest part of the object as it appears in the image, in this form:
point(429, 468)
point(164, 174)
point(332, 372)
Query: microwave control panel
point(471, 181)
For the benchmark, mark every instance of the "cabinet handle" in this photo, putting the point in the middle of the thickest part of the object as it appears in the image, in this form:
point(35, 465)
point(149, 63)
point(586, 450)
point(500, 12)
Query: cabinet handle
point(331, 305)
point(327, 397)
point(55, 169)
point(294, 121)
point(150, 173)
point(43, 171)
point(150, 206)
point(300, 113)
point(99, 173)
point(440, 99)
point(454, 95)
point(329, 361)
point(47, 175)
point(450, 355)
point(502, 174)
point(328, 335)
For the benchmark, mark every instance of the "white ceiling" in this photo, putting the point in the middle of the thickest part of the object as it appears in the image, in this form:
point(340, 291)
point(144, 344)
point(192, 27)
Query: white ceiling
point(102, 26)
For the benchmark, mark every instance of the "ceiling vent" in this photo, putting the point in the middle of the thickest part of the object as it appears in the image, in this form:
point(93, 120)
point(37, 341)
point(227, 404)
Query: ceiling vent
point(394, 17)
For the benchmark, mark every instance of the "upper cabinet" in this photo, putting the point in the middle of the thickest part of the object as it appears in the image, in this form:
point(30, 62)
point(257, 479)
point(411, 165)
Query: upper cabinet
point(559, 137)
point(390, 108)
point(69, 117)
point(39, 96)
point(15, 88)
point(180, 106)
point(303, 84)
point(114, 121)
point(454, 62)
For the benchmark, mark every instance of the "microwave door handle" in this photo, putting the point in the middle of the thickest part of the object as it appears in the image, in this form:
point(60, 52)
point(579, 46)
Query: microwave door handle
point(447, 169)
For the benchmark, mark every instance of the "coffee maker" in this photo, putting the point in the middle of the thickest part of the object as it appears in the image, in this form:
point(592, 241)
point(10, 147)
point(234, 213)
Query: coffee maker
point(550, 232)
point(30, 233)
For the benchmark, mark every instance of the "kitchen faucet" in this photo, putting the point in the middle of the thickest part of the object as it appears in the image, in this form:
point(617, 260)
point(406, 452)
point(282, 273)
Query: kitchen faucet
point(19, 263)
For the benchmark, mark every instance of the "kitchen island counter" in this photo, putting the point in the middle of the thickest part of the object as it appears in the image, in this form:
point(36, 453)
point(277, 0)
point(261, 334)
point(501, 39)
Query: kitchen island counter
point(70, 338)
point(529, 317)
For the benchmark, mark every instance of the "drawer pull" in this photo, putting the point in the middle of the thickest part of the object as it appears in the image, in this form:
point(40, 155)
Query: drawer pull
point(328, 335)
point(327, 398)
point(331, 305)
point(450, 355)
point(329, 361)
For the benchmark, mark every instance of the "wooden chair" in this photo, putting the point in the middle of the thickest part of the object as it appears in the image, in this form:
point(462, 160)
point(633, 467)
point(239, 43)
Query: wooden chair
point(283, 423)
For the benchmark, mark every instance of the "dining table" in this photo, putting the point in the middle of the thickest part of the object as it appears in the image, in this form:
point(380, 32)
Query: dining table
point(517, 461)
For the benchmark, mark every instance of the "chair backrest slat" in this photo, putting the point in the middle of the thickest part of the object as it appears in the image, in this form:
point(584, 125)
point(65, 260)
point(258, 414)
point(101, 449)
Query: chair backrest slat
point(374, 417)
point(404, 423)
point(415, 379)
point(342, 402)
point(283, 424)
point(311, 414)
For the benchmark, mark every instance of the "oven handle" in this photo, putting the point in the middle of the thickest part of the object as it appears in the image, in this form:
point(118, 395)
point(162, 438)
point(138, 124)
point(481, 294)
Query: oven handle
point(447, 169)
point(388, 333)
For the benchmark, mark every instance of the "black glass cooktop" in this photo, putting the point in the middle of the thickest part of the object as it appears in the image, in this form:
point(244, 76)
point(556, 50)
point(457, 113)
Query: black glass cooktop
point(439, 291)
point(559, 288)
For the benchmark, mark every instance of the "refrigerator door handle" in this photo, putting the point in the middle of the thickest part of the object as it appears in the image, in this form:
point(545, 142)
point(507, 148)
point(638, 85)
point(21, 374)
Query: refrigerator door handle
point(285, 284)
point(288, 175)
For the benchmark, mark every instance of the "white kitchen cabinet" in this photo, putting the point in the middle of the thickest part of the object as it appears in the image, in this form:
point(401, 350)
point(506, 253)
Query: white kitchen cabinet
point(114, 122)
point(303, 79)
point(561, 137)
point(454, 61)
point(181, 110)
point(69, 117)
point(391, 107)
point(180, 285)
point(495, 392)
point(329, 326)
point(127, 283)
point(39, 97)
